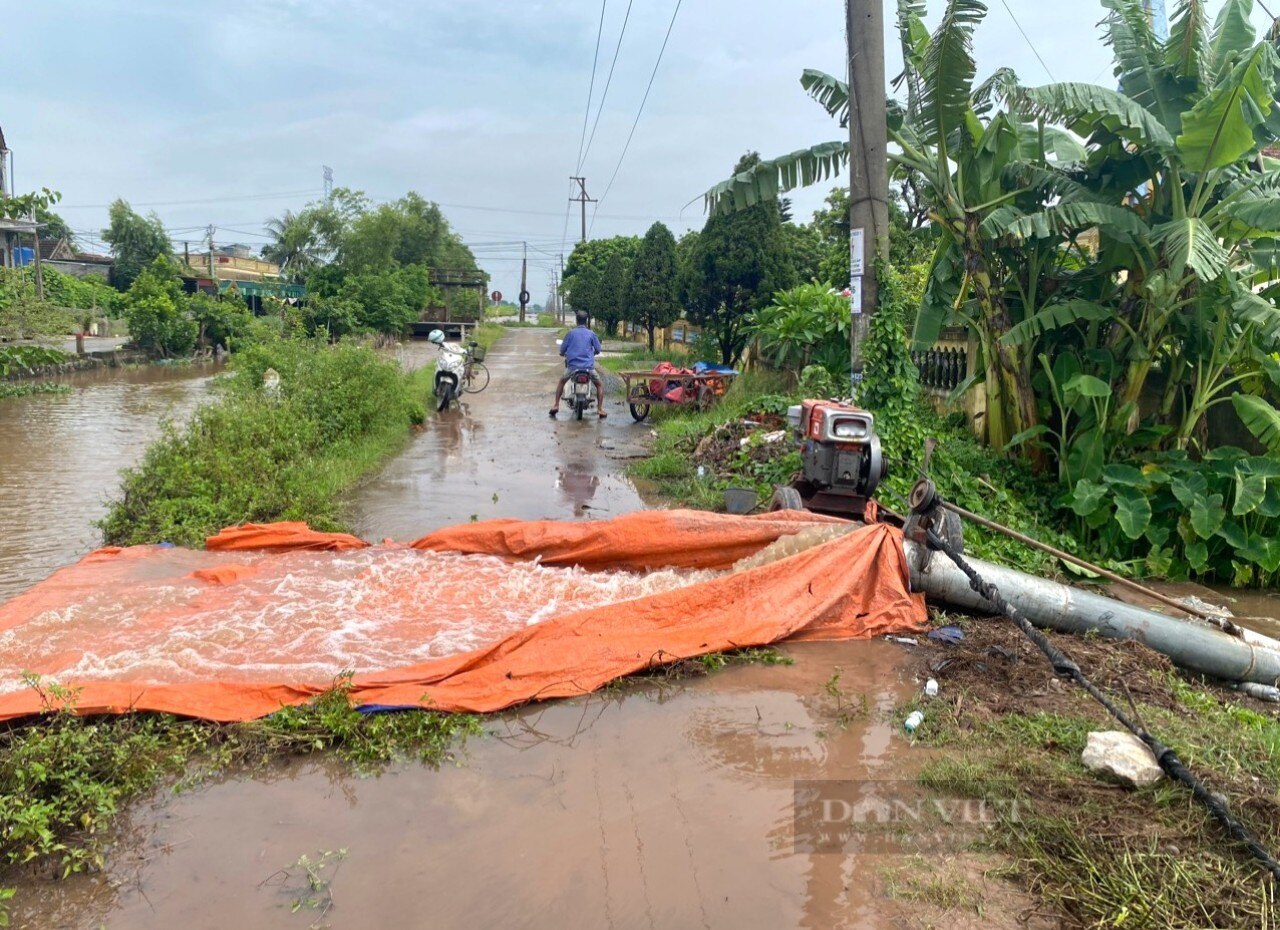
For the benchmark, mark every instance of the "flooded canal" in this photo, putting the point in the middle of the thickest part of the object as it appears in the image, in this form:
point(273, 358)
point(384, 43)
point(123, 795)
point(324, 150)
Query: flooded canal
point(61, 457)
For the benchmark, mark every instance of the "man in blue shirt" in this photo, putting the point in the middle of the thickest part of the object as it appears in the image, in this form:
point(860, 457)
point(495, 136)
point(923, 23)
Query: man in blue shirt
point(580, 347)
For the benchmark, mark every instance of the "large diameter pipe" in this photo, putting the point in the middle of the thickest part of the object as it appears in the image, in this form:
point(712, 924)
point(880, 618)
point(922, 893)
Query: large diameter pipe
point(1070, 610)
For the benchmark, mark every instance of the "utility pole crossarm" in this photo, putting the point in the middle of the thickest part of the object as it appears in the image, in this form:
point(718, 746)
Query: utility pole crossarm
point(583, 199)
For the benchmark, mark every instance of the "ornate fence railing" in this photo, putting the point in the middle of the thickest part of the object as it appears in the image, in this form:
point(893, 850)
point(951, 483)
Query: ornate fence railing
point(941, 369)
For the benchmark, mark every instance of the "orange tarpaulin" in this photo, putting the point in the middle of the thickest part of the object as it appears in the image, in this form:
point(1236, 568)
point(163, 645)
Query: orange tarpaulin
point(471, 618)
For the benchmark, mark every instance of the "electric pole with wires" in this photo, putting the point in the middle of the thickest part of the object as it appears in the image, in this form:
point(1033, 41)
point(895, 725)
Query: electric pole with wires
point(583, 199)
point(524, 280)
point(868, 170)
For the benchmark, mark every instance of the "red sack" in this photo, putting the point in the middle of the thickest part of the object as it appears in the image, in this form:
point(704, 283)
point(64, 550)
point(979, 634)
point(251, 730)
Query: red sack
point(659, 387)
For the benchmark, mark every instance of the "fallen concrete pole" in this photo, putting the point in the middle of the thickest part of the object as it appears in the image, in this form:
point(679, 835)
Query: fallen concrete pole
point(1070, 610)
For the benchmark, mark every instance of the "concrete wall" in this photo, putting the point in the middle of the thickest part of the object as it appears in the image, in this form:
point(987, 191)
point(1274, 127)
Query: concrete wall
point(81, 269)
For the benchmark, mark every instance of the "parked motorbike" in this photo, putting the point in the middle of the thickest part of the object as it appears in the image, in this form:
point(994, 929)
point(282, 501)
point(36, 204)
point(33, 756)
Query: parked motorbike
point(579, 392)
point(458, 371)
point(450, 370)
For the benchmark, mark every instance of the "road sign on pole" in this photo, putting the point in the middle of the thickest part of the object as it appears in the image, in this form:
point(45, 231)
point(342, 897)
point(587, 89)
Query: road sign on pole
point(497, 296)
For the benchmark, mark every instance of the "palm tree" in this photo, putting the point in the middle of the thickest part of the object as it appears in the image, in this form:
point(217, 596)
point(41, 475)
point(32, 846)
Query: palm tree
point(297, 248)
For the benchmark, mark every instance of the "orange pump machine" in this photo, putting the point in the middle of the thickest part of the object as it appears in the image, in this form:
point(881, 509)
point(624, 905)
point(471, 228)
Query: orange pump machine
point(840, 456)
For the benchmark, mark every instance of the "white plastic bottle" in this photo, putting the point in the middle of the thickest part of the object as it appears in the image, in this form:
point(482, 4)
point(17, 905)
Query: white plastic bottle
point(913, 721)
point(931, 688)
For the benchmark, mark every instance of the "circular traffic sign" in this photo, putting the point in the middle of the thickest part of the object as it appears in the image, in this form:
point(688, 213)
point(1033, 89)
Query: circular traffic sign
point(497, 296)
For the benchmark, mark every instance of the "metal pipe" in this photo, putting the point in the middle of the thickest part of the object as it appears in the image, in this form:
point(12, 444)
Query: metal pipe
point(1070, 610)
point(1215, 619)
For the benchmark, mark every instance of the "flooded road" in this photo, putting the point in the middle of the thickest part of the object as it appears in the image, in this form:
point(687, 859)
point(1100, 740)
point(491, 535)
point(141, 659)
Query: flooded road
point(653, 806)
point(664, 807)
point(500, 455)
point(61, 457)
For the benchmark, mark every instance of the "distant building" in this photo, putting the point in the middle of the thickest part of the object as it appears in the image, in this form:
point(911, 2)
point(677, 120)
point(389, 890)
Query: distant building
point(17, 242)
point(233, 263)
point(237, 271)
point(61, 255)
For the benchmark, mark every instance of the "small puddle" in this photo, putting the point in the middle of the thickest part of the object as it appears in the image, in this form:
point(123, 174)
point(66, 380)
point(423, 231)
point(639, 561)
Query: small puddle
point(1253, 609)
point(668, 806)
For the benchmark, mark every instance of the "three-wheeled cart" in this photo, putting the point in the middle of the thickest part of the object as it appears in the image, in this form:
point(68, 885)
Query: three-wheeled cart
point(647, 388)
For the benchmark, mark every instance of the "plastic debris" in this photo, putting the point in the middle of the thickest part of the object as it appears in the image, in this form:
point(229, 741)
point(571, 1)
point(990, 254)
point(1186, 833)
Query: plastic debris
point(931, 688)
point(912, 723)
point(905, 640)
point(947, 634)
point(1261, 692)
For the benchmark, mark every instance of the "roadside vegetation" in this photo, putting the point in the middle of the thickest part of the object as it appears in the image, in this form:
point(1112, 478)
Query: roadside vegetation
point(258, 454)
point(1108, 384)
point(1092, 849)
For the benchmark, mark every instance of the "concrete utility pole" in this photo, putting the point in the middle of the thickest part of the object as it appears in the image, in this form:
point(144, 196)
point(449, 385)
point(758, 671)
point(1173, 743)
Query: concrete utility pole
point(559, 287)
point(328, 183)
point(524, 281)
point(212, 230)
point(583, 199)
point(868, 168)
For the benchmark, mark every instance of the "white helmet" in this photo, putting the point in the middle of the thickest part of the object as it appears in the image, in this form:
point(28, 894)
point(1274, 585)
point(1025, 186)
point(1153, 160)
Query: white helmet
point(436, 336)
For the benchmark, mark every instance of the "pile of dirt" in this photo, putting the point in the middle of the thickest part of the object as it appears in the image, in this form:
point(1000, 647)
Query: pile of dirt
point(1000, 672)
point(757, 438)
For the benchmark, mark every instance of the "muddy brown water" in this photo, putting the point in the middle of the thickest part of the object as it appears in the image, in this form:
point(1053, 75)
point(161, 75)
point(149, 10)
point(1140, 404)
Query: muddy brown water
point(1257, 610)
point(61, 457)
point(663, 807)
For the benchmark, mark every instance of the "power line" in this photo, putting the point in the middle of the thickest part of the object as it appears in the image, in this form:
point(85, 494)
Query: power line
point(591, 88)
point(237, 198)
point(608, 81)
point(1030, 44)
point(636, 121)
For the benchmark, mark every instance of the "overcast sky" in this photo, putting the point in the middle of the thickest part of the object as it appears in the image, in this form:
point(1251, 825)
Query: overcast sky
point(224, 113)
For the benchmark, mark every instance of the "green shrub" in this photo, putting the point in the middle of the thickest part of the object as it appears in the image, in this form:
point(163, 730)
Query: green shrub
point(808, 324)
point(26, 359)
point(219, 321)
point(251, 457)
point(1174, 517)
point(158, 313)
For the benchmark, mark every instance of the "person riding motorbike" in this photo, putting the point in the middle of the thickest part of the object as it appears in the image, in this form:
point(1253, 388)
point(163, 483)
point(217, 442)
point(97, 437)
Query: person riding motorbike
point(580, 347)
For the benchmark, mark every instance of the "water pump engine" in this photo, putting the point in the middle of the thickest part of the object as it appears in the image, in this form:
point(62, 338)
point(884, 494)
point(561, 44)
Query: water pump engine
point(841, 460)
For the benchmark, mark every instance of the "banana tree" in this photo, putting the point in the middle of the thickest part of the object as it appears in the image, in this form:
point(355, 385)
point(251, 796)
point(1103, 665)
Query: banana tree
point(961, 158)
point(1175, 188)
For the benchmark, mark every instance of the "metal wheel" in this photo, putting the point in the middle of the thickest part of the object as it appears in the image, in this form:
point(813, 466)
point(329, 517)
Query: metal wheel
point(705, 398)
point(639, 411)
point(477, 379)
point(785, 498)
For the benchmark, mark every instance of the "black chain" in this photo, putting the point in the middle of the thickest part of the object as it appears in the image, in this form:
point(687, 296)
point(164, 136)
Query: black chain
point(1065, 666)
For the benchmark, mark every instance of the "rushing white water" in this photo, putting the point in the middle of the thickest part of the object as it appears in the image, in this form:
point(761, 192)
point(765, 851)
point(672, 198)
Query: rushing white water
point(295, 617)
